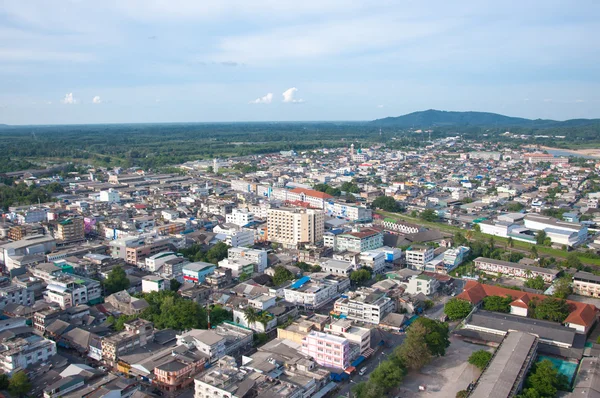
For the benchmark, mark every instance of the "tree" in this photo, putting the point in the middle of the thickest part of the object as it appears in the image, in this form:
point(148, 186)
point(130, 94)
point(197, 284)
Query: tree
point(545, 379)
point(250, 315)
point(361, 276)
point(515, 207)
point(175, 285)
point(477, 228)
point(551, 309)
point(4, 382)
point(219, 315)
point(367, 389)
point(480, 358)
point(244, 277)
point(457, 309)
point(562, 287)
point(217, 253)
point(534, 252)
point(573, 261)
point(469, 235)
point(414, 352)
point(387, 375)
point(386, 203)
point(429, 215)
point(436, 335)
point(510, 242)
point(497, 303)
point(116, 281)
point(462, 394)
point(282, 275)
point(19, 384)
point(459, 239)
point(535, 283)
point(540, 237)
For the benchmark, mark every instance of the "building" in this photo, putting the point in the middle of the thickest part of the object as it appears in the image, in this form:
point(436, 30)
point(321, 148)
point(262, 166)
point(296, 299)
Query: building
point(559, 232)
point(348, 211)
point(316, 290)
point(545, 158)
point(258, 257)
point(582, 317)
point(109, 196)
point(402, 227)
point(154, 283)
point(234, 235)
point(238, 266)
point(19, 232)
point(373, 259)
point(418, 256)
point(135, 249)
point(239, 217)
point(422, 284)
point(337, 267)
point(14, 294)
point(327, 350)
point(515, 269)
point(12, 253)
point(292, 227)
point(454, 257)
point(505, 374)
point(359, 241)
point(214, 344)
point(586, 284)
point(22, 351)
point(125, 303)
point(70, 230)
point(355, 335)
point(68, 292)
point(364, 305)
point(315, 199)
point(197, 272)
point(155, 262)
point(137, 333)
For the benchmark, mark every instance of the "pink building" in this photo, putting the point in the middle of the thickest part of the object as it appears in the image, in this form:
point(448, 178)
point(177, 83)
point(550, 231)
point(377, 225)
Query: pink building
point(327, 350)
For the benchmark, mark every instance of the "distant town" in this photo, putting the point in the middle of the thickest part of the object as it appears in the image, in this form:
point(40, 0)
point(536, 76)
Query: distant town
point(452, 268)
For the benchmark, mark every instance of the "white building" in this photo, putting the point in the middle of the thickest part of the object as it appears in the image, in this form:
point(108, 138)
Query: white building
point(14, 294)
point(515, 269)
point(373, 259)
point(238, 266)
point(559, 232)
point(239, 217)
point(348, 211)
point(234, 236)
point(361, 240)
point(316, 290)
point(498, 228)
point(155, 262)
point(20, 353)
point(154, 283)
point(365, 305)
point(337, 267)
point(418, 256)
point(109, 196)
point(422, 284)
point(402, 227)
point(11, 253)
point(258, 257)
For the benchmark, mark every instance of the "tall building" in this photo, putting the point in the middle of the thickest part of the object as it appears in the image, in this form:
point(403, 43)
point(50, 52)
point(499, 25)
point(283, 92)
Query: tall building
point(70, 230)
point(294, 226)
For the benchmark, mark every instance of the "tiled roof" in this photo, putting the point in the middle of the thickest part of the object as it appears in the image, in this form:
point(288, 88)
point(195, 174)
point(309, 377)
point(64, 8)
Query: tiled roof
point(313, 193)
point(474, 292)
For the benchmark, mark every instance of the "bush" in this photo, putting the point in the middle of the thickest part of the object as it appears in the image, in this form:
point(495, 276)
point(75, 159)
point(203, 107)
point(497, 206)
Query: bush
point(457, 309)
point(480, 358)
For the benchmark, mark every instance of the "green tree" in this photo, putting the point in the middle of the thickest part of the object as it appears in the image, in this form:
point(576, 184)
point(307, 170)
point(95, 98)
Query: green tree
point(219, 315)
point(116, 281)
point(551, 309)
point(457, 309)
point(562, 287)
point(174, 285)
point(534, 252)
point(480, 358)
point(515, 207)
point(436, 335)
point(361, 276)
point(388, 375)
point(497, 303)
point(545, 379)
point(429, 215)
point(386, 203)
point(4, 382)
point(573, 261)
point(54, 187)
point(282, 275)
point(462, 394)
point(19, 384)
point(217, 253)
point(535, 283)
point(244, 277)
point(510, 243)
point(477, 228)
point(367, 389)
point(414, 352)
point(540, 237)
point(250, 315)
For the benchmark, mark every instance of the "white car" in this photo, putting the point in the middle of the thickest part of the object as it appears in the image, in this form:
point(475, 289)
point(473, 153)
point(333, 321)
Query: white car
point(362, 371)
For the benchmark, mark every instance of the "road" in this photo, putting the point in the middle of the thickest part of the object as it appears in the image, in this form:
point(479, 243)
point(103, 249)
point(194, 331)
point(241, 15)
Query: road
point(392, 341)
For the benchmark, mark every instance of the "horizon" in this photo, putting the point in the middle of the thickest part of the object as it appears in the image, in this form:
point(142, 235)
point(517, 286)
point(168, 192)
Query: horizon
point(147, 61)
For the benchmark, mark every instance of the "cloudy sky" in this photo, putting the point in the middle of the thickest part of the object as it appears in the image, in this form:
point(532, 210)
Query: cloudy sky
point(76, 61)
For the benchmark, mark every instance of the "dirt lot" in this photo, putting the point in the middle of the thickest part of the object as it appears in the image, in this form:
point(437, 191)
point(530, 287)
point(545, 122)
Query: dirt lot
point(445, 376)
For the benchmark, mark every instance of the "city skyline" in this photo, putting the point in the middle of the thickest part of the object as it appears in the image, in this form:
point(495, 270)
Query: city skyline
point(188, 61)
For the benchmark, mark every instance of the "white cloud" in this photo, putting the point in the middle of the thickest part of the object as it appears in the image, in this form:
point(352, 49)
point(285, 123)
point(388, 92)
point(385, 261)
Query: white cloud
point(96, 99)
point(288, 96)
point(547, 99)
point(579, 101)
point(380, 106)
point(266, 99)
point(69, 99)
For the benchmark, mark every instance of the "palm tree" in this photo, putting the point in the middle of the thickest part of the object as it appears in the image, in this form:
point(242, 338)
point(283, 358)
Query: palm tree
point(534, 252)
point(251, 315)
point(510, 242)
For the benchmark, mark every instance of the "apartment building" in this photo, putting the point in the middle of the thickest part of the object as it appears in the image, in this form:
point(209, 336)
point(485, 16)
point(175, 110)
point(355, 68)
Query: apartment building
point(327, 350)
point(373, 259)
point(155, 262)
point(137, 333)
point(418, 256)
point(422, 284)
point(586, 284)
point(239, 217)
point(348, 211)
point(316, 290)
point(135, 250)
point(154, 283)
point(360, 240)
point(214, 344)
point(365, 305)
point(238, 266)
point(19, 232)
point(234, 235)
point(70, 230)
point(515, 269)
point(23, 351)
point(258, 257)
point(355, 335)
point(295, 226)
point(454, 257)
point(14, 294)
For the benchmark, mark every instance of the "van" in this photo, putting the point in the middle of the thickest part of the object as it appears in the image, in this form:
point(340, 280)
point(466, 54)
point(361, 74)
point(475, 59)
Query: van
point(362, 371)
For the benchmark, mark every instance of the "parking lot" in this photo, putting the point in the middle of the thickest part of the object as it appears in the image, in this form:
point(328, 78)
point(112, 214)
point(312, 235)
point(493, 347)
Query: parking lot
point(445, 376)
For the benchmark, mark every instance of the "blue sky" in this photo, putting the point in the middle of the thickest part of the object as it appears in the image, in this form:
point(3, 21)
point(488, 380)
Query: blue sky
point(75, 61)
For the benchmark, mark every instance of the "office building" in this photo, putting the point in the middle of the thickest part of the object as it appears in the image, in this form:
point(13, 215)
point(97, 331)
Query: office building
point(292, 227)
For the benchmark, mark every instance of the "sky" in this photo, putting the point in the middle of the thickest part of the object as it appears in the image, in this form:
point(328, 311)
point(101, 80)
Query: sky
point(143, 61)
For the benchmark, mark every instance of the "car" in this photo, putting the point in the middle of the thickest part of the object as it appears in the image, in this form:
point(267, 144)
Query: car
point(362, 371)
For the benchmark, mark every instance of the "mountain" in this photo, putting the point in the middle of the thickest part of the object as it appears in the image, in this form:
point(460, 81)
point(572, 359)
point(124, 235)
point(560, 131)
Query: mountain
point(434, 117)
